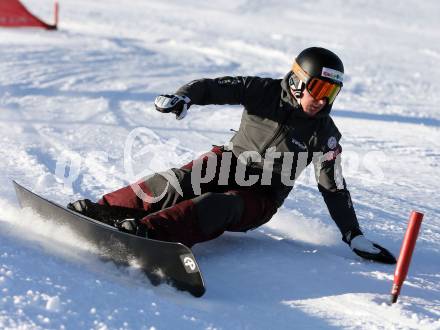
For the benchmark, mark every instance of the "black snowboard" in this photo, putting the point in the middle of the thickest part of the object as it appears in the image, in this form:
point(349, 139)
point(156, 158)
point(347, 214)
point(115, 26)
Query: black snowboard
point(161, 261)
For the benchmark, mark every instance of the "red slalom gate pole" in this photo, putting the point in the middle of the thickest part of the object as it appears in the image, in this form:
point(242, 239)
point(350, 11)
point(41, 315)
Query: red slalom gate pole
point(56, 13)
point(406, 251)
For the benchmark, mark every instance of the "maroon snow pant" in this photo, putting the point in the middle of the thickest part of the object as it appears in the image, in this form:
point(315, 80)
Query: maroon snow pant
point(220, 204)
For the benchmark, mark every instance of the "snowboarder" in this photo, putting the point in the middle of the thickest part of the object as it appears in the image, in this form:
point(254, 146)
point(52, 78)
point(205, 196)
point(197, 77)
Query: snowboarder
point(285, 126)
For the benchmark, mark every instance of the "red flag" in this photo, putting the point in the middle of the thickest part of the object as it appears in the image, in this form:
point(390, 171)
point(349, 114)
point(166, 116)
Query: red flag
point(14, 14)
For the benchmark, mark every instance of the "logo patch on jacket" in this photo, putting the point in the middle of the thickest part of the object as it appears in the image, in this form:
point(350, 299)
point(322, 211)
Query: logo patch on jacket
point(227, 81)
point(299, 144)
point(332, 142)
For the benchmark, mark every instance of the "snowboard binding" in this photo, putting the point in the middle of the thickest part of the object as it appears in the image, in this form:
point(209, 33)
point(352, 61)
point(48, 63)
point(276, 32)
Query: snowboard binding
point(111, 215)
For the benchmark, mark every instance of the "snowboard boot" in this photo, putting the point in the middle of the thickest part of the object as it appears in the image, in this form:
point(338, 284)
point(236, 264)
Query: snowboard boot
point(110, 215)
point(132, 226)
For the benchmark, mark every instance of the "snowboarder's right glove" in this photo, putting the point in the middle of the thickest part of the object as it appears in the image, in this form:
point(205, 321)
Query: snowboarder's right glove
point(132, 226)
point(173, 103)
point(369, 250)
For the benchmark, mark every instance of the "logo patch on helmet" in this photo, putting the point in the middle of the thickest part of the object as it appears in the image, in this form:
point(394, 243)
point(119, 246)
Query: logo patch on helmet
point(332, 74)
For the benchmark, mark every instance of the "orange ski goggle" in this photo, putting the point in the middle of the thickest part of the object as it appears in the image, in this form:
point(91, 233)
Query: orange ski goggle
point(320, 89)
point(317, 88)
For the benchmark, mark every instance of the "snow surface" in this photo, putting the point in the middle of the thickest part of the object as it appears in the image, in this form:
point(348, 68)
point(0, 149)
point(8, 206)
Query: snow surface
point(73, 96)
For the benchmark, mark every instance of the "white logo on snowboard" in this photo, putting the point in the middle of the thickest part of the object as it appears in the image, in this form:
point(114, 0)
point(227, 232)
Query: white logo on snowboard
point(189, 263)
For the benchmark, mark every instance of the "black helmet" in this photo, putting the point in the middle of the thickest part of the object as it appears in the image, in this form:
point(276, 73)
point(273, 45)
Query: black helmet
point(315, 60)
point(313, 67)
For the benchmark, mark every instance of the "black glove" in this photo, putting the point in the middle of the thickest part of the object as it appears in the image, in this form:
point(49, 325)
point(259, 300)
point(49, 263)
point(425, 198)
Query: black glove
point(371, 251)
point(132, 226)
point(173, 103)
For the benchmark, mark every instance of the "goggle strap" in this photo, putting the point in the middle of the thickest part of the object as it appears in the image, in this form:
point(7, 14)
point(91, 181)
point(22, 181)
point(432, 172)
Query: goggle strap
point(299, 72)
point(296, 92)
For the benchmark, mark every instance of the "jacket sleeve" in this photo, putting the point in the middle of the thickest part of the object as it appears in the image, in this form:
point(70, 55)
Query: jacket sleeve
point(333, 188)
point(223, 90)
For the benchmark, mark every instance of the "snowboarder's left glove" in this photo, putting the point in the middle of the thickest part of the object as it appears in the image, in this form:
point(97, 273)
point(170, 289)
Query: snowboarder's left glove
point(132, 226)
point(369, 250)
point(173, 103)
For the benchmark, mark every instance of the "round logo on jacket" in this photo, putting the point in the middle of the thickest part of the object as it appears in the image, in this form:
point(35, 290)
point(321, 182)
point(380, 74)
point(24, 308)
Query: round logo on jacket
point(332, 142)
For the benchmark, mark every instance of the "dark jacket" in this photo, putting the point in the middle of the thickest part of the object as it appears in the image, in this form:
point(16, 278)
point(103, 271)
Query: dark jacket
point(272, 121)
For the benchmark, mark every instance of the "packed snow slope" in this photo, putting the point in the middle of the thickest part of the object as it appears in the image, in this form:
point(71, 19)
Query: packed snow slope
point(70, 99)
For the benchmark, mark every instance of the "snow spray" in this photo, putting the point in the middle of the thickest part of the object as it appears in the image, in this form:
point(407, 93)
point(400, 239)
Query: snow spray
point(406, 251)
